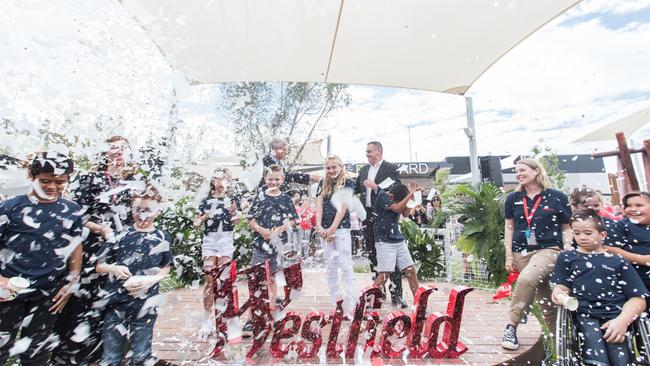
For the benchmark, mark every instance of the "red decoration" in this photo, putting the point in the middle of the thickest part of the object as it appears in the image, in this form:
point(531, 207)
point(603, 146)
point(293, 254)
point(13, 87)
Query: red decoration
point(313, 335)
point(505, 290)
point(449, 347)
point(293, 277)
point(370, 298)
point(279, 350)
point(224, 290)
point(398, 324)
point(416, 348)
point(334, 348)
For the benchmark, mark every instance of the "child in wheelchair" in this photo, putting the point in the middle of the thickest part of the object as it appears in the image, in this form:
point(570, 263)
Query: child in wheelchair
point(609, 291)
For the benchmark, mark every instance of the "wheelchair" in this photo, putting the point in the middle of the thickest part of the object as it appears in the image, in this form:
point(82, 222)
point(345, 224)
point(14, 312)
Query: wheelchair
point(568, 344)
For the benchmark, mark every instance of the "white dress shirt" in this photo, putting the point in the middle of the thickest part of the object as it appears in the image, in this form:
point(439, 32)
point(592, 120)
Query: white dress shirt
point(372, 173)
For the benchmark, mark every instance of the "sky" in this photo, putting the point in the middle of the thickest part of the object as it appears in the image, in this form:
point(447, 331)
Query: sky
point(77, 62)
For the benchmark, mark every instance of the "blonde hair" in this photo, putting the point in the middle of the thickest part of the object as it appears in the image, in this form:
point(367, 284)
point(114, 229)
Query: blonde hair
point(542, 178)
point(150, 192)
point(224, 173)
point(329, 186)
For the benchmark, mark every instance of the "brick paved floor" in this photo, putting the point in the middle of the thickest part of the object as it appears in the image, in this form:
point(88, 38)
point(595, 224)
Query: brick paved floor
point(175, 335)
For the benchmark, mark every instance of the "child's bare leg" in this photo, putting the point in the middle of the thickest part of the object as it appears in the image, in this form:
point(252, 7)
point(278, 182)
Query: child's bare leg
point(223, 260)
point(381, 278)
point(412, 278)
point(272, 292)
point(209, 264)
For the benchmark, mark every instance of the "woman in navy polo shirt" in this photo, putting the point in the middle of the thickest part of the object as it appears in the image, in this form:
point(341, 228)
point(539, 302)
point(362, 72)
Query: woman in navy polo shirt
point(536, 229)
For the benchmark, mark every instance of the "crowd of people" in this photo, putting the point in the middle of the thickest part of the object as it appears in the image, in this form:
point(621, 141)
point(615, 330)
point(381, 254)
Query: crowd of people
point(577, 247)
point(81, 258)
point(81, 263)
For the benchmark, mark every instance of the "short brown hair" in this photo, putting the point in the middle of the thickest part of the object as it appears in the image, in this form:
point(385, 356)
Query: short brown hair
point(634, 194)
point(273, 168)
point(378, 145)
point(150, 192)
point(589, 214)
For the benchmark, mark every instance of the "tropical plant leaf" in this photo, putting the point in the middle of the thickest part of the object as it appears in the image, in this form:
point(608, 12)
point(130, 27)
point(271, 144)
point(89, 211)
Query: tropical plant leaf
point(480, 210)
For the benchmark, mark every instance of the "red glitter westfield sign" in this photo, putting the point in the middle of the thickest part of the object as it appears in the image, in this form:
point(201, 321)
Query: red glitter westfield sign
point(416, 332)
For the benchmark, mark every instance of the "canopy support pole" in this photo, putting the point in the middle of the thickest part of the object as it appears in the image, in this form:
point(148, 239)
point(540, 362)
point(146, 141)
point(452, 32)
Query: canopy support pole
point(470, 132)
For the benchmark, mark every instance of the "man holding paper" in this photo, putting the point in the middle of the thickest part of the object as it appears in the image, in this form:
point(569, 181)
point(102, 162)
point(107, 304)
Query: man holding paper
point(378, 174)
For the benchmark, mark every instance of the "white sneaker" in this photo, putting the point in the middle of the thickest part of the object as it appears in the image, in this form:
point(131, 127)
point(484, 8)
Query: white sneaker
point(207, 329)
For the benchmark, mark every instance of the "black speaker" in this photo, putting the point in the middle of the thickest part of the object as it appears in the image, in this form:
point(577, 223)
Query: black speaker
point(491, 170)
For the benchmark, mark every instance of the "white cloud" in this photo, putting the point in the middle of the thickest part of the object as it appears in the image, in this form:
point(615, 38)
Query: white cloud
point(87, 59)
point(609, 6)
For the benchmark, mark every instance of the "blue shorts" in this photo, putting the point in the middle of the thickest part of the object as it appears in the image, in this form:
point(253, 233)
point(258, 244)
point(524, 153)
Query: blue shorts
point(260, 256)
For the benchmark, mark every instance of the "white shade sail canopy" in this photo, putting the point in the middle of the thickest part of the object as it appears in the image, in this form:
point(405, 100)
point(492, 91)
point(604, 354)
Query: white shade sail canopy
point(441, 45)
point(628, 125)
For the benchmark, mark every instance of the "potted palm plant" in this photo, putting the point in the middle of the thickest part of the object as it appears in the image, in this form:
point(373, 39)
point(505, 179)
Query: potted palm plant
point(480, 210)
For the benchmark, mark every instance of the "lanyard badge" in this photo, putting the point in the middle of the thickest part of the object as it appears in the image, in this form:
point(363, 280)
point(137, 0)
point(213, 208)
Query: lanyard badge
point(531, 239)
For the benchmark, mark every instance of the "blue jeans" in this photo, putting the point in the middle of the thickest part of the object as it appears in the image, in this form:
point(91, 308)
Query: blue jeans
point(114, 342)
point(595, 351)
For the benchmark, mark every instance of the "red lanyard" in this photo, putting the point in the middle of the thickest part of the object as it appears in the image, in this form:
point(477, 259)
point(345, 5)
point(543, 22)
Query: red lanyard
point(529, 218)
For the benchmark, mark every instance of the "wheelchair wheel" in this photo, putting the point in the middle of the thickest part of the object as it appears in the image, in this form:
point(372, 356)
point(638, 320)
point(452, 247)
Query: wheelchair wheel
point(567, 346)
point(642, 339)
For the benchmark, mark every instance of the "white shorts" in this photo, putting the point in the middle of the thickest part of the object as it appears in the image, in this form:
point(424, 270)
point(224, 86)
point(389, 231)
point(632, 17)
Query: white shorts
point(219, 244)
point(391, 255)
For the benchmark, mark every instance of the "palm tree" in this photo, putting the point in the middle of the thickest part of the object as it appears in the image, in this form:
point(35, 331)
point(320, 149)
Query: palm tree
point(481, 212)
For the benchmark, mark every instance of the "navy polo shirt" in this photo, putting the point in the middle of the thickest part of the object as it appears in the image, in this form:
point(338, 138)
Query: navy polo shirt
point(329, 211)
point(218, 211)
point(145, 253)
point(386, 228)
point(634, 238)
point(553, 211)
point(269, 212)
point(36, 239)
point(601, 283)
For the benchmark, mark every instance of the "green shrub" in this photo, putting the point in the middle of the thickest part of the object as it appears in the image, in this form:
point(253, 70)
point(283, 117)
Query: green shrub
point(481, 213)
point(427, 255)
point(243, 243)
point(178, 221)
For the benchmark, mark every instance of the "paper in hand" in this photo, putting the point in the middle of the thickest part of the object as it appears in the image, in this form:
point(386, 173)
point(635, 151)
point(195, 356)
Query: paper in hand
point(431, 194)
point(386, 183)
point(417, 199)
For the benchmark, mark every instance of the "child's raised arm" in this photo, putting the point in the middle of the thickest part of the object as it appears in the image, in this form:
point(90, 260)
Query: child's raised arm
point(401, 205)
point(616, 328)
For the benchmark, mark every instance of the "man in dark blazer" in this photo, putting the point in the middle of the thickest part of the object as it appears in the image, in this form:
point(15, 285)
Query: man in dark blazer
point(367, 186)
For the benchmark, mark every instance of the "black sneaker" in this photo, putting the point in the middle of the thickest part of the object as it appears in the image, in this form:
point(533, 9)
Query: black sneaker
point(510, 341)
point(399, 301)
point(247, 330)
